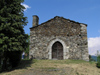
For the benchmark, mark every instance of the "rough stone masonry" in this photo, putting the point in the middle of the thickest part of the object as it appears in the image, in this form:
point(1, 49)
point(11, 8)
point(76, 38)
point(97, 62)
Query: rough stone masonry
point(58, 38)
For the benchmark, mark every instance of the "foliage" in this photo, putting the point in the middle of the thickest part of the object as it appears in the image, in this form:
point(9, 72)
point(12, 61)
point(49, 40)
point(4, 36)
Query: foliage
point(12, 20)
point(12, 35)
point(98, 64)
point(27, 49)
point(90, 58)
point(98, 58)
point(98, 61)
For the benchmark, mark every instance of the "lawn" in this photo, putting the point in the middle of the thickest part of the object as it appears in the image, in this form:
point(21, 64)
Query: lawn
point(55, 67)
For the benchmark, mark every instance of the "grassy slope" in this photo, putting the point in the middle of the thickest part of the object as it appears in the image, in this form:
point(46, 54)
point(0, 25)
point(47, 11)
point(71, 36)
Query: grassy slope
point(55, 67)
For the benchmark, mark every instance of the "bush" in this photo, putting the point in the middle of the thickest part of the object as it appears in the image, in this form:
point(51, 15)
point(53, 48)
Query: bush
point(98, 64)
point(98, 61)
point(98, 58)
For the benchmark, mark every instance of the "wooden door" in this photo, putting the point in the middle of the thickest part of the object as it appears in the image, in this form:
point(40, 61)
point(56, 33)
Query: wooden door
point(57, 51)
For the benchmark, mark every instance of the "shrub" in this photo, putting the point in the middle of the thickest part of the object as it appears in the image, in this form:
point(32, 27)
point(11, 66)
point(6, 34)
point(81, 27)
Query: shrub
point(98, 61)
point(98, 64)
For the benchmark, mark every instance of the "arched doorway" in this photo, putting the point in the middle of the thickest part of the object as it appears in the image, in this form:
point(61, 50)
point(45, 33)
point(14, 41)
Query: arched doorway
point(57, 51)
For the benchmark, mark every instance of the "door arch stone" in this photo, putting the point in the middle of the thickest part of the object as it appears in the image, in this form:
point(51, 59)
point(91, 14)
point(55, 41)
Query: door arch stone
point(65, 48)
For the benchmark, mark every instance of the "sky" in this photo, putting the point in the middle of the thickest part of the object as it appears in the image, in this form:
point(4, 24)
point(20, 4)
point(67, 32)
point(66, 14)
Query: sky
point(82, 11)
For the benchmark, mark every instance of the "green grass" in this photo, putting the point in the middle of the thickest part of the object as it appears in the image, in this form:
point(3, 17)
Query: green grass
point(70, 61)
point(56, 67)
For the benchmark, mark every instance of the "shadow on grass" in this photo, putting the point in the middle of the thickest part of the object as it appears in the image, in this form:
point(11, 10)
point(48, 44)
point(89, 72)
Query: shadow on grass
point(24, 64)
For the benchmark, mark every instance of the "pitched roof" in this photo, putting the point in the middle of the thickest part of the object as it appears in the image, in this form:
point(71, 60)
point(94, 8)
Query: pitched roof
point(60, 18)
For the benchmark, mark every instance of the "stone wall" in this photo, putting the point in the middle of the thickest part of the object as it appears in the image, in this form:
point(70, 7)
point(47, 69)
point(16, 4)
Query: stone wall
point(72, 34)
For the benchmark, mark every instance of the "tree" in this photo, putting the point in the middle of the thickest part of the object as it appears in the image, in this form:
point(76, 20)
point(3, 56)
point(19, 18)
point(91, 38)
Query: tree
point(12, 21)
point(27, 49)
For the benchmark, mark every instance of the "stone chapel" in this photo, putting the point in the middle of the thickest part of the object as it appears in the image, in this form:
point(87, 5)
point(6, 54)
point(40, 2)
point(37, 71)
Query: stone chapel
point(58, 38)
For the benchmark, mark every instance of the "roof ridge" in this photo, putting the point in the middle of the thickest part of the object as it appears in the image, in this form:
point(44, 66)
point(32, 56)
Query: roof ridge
point(56, 18)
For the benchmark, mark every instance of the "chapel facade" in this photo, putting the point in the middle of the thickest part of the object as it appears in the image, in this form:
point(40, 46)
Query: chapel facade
point(58, 38)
